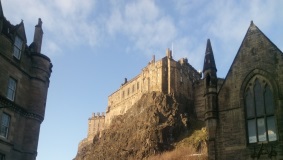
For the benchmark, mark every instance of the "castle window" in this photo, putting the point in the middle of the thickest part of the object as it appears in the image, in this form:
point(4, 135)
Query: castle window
point(133, 89)
point(5, 123)
point(128, 91)
point(260, 118)
point(138, 86)
point(123, 94)
point(12, 84)
point(18, 45)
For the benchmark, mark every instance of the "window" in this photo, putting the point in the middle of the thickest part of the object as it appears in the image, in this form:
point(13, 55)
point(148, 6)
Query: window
point(11, 89)
point(123, 94)
point(128, 91)
point(5, 122)
point(260, 118)
point(133, 89)
point(138, 86)
point(18, 47)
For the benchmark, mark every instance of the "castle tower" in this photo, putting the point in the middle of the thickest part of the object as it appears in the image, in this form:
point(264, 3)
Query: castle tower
point(210, 80)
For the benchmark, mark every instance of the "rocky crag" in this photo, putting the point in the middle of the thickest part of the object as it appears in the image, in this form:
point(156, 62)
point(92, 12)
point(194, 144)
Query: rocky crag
point(154, 124)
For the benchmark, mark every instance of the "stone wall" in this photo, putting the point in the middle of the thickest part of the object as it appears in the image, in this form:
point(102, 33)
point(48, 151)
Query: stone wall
point(95, 125)
point(199, 99)
point(165, 75)
point(257, 57)
point(31, 72)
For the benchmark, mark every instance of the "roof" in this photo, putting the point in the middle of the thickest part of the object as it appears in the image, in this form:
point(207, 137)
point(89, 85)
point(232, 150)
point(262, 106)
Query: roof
point(209, 62)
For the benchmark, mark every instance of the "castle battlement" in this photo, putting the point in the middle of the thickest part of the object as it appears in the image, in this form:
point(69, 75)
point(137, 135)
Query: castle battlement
point(98, 115)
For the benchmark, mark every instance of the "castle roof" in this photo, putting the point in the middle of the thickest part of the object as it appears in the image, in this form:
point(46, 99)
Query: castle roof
point(209, 62)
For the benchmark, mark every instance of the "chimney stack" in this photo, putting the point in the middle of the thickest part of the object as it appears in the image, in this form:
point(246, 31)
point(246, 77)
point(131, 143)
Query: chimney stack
point(38, 34)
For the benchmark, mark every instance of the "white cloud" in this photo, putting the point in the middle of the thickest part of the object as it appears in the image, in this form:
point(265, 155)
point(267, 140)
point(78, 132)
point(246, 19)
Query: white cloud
point(52, 48)
point(144, 23)
point(148, 26)
point(65, 22)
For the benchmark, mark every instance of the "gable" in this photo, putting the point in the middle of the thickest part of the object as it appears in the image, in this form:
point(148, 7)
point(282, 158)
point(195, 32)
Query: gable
point(20, 31)
point(256, 52)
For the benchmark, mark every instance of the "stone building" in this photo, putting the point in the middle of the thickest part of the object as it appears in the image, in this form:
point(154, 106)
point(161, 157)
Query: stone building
point(165, 75)
point(24, 81)
point(243, 112)
point(95, 126)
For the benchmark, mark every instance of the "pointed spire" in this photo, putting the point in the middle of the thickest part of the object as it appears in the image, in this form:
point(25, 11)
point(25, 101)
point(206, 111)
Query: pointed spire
point(209, 62)
point(1, 10)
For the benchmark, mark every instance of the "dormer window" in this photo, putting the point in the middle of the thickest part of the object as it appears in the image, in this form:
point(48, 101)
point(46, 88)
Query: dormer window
point(18, 45)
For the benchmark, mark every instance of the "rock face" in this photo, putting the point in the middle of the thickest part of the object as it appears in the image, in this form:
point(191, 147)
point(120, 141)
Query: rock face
point(151, 126)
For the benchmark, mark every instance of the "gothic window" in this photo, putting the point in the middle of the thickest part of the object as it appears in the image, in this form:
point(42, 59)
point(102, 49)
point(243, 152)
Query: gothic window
point(260, 117)
point(18, 47)
point(12, 84)
point(5, 123)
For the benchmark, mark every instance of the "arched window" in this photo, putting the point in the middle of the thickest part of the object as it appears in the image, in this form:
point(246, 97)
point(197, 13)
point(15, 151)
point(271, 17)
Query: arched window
point(260, 117)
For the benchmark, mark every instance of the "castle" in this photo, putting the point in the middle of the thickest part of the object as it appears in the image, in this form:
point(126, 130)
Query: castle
point(24, 82)
point(243, 113)
point(165, 75)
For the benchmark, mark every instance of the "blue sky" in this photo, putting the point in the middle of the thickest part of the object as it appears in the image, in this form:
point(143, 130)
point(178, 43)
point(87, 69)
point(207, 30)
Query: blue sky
point(95, 44)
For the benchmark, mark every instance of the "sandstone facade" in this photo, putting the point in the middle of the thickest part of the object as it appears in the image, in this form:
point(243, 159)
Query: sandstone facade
point(165, 75)
point(24, 81)
point(95, 126)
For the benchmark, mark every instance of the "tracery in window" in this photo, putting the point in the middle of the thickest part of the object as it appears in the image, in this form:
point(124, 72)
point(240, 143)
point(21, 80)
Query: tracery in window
point(260, 117)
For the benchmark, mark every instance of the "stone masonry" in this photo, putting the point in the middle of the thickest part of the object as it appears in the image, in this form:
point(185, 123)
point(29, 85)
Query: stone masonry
point(165, 75)
point(243, 112)
point(24, 82)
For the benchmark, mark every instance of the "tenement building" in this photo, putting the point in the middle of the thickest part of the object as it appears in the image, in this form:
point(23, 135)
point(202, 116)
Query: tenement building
point(24, 81)
point(243, 112)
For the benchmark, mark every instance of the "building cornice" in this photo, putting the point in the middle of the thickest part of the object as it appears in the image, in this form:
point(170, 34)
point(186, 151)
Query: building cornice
point(5, 103)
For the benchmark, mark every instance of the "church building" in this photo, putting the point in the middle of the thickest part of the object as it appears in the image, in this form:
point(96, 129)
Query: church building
point(244, 113)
